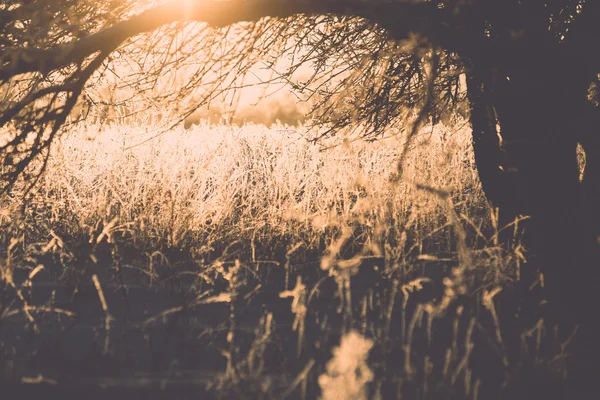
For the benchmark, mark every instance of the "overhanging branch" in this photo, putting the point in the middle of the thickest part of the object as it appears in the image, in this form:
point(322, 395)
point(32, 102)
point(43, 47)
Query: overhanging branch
point(399, 18)
point(457, 30)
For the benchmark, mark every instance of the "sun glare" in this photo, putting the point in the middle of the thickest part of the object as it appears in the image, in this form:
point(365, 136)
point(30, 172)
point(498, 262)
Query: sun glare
point(184, 62)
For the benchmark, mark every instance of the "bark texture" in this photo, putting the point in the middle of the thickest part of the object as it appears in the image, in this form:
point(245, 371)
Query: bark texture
point(527, 121)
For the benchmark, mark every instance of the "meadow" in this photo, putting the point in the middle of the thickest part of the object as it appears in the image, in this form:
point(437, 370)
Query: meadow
point(226, 261)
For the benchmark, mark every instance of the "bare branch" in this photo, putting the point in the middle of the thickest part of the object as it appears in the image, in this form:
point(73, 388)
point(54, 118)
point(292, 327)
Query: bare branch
point(398, 18)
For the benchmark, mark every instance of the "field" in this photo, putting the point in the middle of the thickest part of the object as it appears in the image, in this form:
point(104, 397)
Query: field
point(248, 262)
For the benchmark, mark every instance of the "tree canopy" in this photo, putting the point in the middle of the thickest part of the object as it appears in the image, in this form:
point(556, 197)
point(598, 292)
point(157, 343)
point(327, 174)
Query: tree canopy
point(372, 59)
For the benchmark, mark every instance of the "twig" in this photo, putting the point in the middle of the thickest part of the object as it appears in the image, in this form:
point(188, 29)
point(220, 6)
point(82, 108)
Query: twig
point(107, 316)
point(299, 378)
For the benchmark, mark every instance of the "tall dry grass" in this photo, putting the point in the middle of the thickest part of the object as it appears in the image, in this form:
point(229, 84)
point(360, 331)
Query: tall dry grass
point(191, 196)
point(209, 184)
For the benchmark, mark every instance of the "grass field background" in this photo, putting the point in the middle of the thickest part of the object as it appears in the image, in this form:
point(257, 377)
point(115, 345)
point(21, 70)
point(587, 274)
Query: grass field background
point(270, 265)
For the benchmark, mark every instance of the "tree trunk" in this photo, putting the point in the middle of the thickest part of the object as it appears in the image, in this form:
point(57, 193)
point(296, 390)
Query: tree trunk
point(542, 113)
point(527, 121)
point(590, 127)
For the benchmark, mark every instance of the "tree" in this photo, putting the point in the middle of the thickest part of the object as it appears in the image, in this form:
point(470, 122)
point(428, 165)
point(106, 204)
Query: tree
point(530, 65)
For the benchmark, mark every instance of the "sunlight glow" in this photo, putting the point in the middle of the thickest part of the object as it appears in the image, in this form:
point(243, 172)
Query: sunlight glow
point(187, 8)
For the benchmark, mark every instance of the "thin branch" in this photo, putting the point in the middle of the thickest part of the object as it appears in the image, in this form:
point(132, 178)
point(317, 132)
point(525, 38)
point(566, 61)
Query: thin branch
point(400, 18)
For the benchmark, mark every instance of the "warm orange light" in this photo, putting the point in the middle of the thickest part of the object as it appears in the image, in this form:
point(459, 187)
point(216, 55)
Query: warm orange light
point(187, 9)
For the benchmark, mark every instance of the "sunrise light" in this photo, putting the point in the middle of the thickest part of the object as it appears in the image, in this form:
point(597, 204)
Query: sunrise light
point(269, 199)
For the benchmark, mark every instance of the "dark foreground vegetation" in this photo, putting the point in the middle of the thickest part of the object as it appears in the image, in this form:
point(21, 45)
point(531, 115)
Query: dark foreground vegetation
point(124, 275)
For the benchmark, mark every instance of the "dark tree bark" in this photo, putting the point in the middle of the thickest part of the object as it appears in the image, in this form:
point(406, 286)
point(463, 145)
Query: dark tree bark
point(540, 106)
